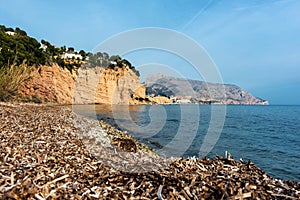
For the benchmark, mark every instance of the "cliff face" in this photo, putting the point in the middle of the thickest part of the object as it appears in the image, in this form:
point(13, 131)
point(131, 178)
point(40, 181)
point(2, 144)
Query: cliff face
point(53, 84)
point(184, 90)
point(113, 86)
point(49, 84)
point(160, 100)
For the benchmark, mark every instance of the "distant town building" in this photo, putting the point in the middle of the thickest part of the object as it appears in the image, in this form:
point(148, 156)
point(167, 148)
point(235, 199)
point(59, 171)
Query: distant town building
point(173, 99)
point(183, 101)
point(10, 32)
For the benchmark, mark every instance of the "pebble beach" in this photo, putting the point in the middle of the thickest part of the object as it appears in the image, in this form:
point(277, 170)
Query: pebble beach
point(49, 152)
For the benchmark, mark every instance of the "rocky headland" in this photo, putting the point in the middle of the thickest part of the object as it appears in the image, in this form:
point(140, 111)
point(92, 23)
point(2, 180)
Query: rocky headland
point(182, 90)
point(94, 85)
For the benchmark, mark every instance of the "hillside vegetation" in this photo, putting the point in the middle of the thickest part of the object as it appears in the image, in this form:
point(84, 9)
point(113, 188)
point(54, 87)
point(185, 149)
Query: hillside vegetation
point(16, 47)
point(19, 53)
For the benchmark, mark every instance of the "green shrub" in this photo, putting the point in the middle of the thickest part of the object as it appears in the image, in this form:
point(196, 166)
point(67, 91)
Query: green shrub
point(10, 80)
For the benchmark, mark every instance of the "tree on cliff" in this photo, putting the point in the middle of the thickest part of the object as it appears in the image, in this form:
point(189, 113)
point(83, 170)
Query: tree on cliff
point(71, 49)
point(17, 48)
point(20, 32)
point(83, 54)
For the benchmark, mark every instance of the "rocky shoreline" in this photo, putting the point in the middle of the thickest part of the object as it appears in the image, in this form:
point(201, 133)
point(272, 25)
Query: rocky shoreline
point(48, 152)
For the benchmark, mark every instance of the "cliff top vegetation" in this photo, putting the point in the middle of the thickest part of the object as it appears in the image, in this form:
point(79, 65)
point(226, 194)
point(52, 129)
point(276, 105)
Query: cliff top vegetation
point(19, 52)
point(17, 48)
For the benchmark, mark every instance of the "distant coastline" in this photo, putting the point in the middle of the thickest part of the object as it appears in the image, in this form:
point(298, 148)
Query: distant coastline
point(45, 73)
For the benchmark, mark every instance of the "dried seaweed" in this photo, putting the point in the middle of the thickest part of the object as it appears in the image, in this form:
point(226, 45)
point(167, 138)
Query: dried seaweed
point(46, 153)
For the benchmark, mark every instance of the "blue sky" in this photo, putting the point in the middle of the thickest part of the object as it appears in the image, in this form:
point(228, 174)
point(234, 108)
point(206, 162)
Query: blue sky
point(255, 44)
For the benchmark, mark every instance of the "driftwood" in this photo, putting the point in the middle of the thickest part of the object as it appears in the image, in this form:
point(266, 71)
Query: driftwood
point(45, 155)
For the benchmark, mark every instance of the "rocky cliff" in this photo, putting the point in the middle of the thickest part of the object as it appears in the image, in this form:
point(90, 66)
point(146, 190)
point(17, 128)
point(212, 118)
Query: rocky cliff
point(49, 84)
point(88, 85)
point(112, 86)
point(185, 90)
point(54, 84)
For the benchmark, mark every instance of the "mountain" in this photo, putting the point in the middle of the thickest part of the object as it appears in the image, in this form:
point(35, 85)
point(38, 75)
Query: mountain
point(182, 90)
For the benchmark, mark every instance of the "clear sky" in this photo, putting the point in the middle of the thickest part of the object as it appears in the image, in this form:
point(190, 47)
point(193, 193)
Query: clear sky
point(255, 44)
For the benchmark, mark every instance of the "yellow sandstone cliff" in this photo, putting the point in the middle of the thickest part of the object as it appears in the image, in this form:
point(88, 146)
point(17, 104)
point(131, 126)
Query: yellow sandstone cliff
point(111, 86)
point(160, 100)
point(54, 84)
point(49, 84)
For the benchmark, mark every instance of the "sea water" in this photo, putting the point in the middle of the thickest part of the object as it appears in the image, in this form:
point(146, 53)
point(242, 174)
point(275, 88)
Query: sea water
point(269, 136)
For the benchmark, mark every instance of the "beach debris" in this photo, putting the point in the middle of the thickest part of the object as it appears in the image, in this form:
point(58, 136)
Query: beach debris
point(122, 140)
point(44, 154)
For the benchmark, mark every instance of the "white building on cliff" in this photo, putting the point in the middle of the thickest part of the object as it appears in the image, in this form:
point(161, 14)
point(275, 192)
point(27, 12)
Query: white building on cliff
point(10, 33)
point(71, 55)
